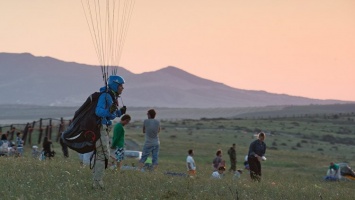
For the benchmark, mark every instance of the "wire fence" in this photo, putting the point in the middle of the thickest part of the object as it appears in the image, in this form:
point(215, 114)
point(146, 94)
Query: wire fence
point(33, 133)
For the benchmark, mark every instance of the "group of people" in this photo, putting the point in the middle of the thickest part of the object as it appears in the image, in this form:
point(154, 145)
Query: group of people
point(255, 155)
point(16, 148)
point(10, 148)
point(151, 129)
point(107, 109)
point(339, 171)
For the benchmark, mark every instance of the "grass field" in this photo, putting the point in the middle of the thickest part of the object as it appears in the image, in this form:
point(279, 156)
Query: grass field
point(299, 150)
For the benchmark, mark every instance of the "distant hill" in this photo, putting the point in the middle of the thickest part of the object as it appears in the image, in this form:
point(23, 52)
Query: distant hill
point(21, 114)
point(31, 80)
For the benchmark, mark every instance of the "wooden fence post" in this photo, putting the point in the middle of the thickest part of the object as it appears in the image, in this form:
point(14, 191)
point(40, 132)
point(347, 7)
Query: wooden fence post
point(25, 131)
point(40, 131)
point(47, 132)
point(60, 129)
point(30, 130)
point(50, 129)
point(12, 132)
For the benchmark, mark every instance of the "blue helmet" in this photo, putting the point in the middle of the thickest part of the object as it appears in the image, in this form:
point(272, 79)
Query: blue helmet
point(114, 81)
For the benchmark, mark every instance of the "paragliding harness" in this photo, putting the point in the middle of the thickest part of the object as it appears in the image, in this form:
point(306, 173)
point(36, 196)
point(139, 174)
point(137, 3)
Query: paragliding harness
point(94, 156)
point(84, 130)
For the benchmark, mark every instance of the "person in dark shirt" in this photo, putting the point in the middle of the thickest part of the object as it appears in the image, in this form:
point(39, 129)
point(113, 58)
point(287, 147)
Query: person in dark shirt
point(47, 147)
point(233, 158)
point(64, 148)
point(218, 161)
point(256, 152)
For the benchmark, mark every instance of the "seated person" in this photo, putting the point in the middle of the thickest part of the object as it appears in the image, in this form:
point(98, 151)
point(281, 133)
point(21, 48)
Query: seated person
point(35, 152)
point(219, 173)
point(334, 171)
point(47, 148)
point(4, 145)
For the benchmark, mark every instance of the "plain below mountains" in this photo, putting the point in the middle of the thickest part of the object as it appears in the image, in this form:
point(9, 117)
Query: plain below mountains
point(29, 80)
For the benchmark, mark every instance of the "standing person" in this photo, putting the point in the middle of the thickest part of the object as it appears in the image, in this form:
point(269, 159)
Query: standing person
point(151, 129)
point(107, 110)
point(11, 133)
point(64, 148)
point(118, 140)
point(218, 161)
point(190, 163)
point(256, 152)
point(19, 144)
point(233, 158)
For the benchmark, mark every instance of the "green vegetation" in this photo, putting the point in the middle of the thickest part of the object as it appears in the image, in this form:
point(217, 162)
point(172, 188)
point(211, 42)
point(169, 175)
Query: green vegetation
point(299, 150)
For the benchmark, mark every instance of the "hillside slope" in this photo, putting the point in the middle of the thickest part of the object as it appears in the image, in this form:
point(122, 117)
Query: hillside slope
point(26, 79)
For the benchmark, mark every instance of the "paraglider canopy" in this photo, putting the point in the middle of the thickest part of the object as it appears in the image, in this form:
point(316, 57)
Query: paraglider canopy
point(108, 22)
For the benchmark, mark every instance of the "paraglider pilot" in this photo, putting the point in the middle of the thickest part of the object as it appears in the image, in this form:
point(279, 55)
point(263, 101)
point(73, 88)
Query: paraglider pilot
point(107, 110)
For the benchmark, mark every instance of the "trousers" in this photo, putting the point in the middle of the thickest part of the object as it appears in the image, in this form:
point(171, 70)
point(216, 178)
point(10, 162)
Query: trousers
point(102, 153)
point(255, 168)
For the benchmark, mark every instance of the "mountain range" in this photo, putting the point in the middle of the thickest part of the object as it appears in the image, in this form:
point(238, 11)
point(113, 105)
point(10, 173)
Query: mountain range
point(32, 80)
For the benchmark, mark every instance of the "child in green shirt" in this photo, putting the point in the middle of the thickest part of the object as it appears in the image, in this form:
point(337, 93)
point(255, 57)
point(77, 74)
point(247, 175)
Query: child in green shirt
point(118, 141)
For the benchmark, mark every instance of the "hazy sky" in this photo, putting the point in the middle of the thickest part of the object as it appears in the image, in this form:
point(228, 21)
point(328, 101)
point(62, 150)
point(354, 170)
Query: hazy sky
point(297, 47)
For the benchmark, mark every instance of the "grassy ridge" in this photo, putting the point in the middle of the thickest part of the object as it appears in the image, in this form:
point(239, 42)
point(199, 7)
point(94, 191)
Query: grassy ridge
point(299, 151)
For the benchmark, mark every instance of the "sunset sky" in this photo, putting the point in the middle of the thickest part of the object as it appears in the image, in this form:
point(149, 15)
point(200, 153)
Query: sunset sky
point(296, 47)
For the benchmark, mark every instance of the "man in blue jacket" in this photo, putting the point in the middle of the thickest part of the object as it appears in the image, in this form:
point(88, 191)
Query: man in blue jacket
point(107, 110)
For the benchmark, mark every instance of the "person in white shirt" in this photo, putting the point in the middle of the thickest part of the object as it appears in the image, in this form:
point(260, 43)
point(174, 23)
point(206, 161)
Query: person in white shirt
point(190, 163)
point(218, 174)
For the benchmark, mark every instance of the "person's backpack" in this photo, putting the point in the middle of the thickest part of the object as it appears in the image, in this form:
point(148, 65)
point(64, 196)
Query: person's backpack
point(84, 130)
